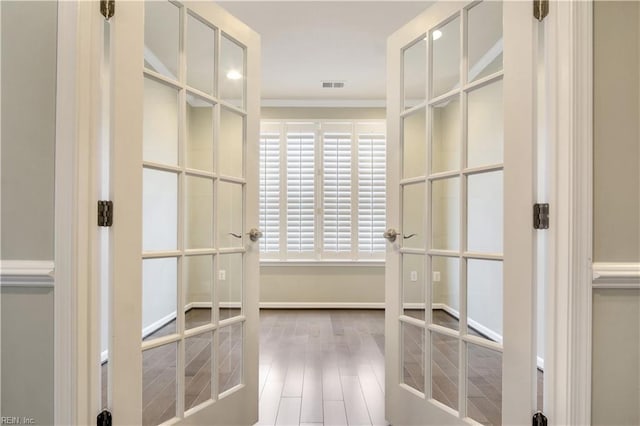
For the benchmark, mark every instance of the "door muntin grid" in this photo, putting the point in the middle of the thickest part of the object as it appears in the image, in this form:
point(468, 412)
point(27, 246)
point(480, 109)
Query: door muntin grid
point(192, 158)
point(456, 166)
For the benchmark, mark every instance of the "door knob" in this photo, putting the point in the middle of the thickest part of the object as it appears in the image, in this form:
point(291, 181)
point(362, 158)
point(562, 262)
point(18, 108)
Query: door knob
point(254, 234)
point(390, 234)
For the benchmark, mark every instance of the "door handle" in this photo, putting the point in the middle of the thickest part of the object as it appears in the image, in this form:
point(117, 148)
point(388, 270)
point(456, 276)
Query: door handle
point(235, 235)
point(390, 234)
point(254, 234)
point(406, 237)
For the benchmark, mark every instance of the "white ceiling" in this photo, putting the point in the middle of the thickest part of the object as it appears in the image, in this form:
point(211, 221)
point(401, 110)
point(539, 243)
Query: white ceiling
point(307, 42)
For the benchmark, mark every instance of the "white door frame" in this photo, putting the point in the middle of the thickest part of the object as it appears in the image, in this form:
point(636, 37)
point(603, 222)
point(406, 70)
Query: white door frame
point(77, 127)
point(569, 50)
point(569, 62)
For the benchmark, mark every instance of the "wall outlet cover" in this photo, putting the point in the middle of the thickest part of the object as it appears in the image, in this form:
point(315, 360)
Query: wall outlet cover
point(436, 276)
point(222, 275)
point(414, 275)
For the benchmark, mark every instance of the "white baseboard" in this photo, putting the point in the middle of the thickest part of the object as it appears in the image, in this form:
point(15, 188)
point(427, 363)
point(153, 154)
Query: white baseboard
point(155, 326)
point(320, 305)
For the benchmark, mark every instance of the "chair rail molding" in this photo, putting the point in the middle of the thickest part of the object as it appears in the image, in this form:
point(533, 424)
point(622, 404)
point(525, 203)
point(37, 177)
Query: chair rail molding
point(616, 275)
point(26, 273)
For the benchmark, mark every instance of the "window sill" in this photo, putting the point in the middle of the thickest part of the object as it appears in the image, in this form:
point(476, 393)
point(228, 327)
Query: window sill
point(333, 262)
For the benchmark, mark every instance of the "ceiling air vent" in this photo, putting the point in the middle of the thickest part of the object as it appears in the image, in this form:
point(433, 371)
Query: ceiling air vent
point(332, 84)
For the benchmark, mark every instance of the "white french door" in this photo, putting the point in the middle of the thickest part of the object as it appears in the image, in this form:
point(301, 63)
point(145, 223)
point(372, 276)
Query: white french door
point(183, 337)
point(460, 341)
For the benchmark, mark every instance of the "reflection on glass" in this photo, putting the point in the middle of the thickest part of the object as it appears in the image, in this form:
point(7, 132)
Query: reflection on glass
point(413, 285)
point(445, 213)
point(413, 356)
point(445, 42)
point(159, 381)
point(485, 126)
point(201, 42)
point(445, 136)
point(232, 72)
point(445, 279)
point(159, 296)
point(413, 210)
point(159, 210)
point(484, 32)
point(484, 385)
point(197, 370)
point(485, 212)
point(160, 123)
point(231, 146)
point(230, 215)
point(161, 37)
point(229, 285)
point(484, 298)
point(229, 357)
point(415, 73)
point(414, 144)
point(198, 284)
point(199, 212)
point(444, 369)
point(199, 152)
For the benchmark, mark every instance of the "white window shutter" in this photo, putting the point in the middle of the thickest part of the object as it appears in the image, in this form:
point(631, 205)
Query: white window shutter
point(371, 192)
point(337, 203)
point(300, 179)
point(270, 191)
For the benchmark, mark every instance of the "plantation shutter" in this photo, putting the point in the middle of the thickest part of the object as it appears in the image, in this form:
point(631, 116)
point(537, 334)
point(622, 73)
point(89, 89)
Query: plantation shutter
point(337, 202)
point(300, 179)
point(270, 189)
point(371, 192)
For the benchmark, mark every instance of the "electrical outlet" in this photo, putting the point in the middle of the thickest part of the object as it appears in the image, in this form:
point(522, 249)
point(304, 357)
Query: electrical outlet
point(222, 275)
point(414, 275)
point(436, 276)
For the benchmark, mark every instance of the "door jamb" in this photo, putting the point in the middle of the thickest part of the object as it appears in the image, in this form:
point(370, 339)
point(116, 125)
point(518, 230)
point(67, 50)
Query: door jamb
point(569, 51)
point(77, 107)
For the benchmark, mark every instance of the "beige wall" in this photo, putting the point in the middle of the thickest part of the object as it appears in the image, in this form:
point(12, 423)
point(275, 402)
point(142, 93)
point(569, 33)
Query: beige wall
point(616, 357)
point(616, 214)
point(322, 284)
point(28, 129)
point(616, 313)
point(322, 113)
point(27, 353)
point(28, 58)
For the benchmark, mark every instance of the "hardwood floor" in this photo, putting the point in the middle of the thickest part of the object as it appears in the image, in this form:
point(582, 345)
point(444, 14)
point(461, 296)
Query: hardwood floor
point(320, 367)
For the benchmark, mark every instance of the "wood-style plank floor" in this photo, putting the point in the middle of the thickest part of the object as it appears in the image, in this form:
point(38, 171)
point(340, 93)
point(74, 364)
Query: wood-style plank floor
point(321, 367)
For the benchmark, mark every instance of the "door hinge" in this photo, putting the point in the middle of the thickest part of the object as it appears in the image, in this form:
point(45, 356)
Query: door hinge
point(540, 9)
point(105, 213)
point(107, 8)
point(104, 418)
point(541, 216)
point(539, 419)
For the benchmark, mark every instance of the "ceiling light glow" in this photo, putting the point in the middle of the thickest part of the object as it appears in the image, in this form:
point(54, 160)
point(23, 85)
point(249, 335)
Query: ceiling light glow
point(234, 75)
point(436, 34)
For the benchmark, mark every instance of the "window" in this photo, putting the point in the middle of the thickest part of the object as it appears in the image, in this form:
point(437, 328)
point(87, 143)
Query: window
point(322, 190)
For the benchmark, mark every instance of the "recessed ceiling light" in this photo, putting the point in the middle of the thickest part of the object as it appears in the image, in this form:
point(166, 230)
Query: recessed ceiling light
point(234, 75)
point(436, 34)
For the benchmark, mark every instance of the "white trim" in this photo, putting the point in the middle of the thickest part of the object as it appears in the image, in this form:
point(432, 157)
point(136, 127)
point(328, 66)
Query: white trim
point(157, 325)
point(323, 103)
point(610, 274)
point(472, 323)
point(569, 51)
point(26, 273)
point(333, 263)
point(75, 110)
point(321, 305)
